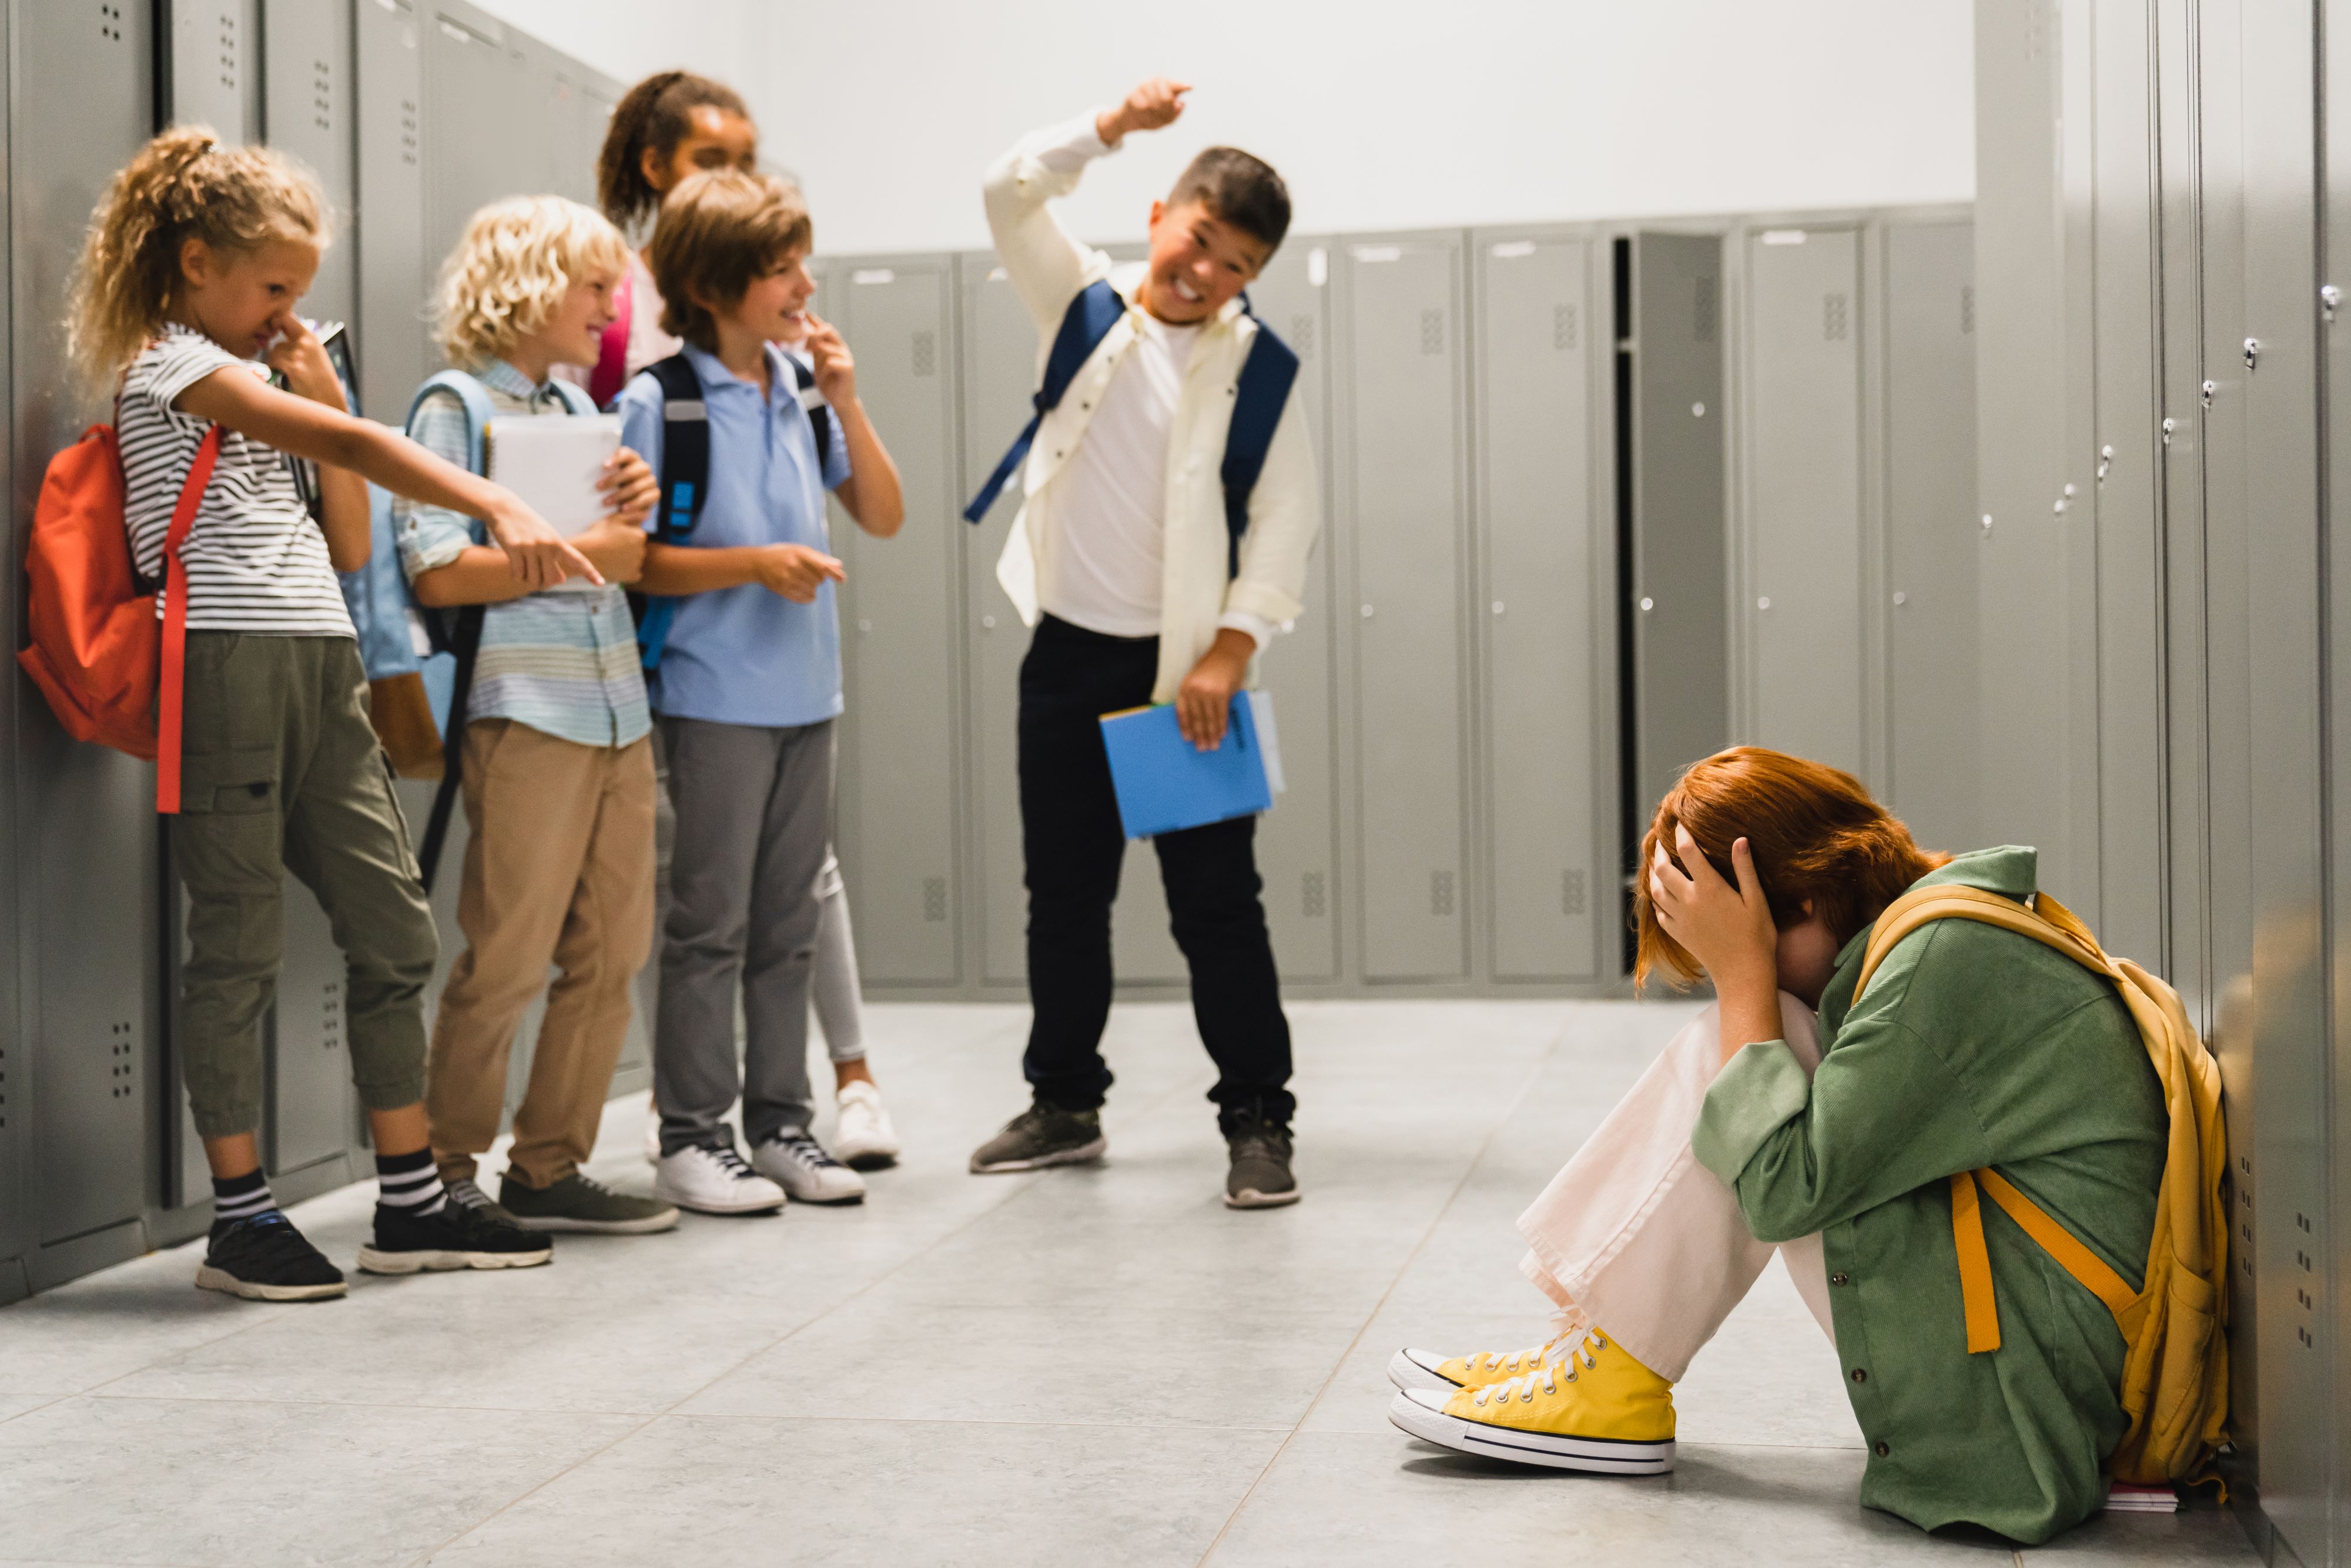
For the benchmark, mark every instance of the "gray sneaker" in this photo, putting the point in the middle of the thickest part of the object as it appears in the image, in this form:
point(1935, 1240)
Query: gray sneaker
point(579, 1202)
point(1039, 1136)
point(1259, 1177)
point(468, 1191)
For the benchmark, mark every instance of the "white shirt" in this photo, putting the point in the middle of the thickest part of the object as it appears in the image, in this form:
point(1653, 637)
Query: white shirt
point(1109, 520)
point(1196, 597)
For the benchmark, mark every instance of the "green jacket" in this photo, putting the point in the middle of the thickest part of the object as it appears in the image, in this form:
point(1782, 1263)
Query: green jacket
point(1974, 1047)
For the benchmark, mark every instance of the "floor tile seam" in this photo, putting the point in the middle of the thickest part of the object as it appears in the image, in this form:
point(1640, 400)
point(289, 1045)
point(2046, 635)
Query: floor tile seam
point(258, 1320)
point(537, 1487)
point(1526, 1087)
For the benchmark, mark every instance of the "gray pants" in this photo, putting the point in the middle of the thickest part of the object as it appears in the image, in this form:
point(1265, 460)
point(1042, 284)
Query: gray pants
point(753, 810)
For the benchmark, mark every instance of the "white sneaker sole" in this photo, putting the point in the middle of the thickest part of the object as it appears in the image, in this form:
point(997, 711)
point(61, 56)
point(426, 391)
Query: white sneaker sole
point(1407, 1369)
point(722, 1208)
point(1082, 1154)
point(644, 1227)
point(1249, 1197)
point(211, 1278)
point(436, 1262)
point(1412, 1412)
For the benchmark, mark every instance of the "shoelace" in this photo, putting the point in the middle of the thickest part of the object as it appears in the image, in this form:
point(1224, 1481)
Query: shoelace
point(1540, 1356)
point(274, 1239)
point(803, 1150)
point(1522, 1387)
point(733, 1163)
point(466, 1192)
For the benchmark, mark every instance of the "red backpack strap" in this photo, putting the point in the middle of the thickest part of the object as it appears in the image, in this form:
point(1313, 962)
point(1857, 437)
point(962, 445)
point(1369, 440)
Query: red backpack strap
point(612, 371)
point(175, 623)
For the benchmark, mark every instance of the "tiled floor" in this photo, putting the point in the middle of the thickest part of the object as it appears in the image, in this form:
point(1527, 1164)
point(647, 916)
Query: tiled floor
point(1082, 1367)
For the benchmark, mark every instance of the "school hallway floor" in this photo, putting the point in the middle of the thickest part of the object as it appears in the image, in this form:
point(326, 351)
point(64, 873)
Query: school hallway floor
point(1076, 1367)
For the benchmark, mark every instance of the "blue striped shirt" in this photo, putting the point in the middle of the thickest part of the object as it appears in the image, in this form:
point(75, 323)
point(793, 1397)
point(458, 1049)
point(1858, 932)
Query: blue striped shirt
point(565, 663)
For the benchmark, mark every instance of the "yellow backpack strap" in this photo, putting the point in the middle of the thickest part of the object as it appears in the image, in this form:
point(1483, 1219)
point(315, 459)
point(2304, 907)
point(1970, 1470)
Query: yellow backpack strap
point(1975, 1264)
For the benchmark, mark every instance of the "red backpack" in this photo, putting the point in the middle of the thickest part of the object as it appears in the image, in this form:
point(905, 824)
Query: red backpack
point(98, 653)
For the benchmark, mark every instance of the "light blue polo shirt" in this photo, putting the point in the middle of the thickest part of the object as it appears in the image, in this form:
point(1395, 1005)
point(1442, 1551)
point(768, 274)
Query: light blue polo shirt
point(743, 654)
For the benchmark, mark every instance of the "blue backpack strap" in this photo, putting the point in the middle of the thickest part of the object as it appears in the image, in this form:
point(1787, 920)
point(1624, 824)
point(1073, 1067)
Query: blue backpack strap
point(473, 395)
point(575, 398)
point(820, 413)
point(685, 485)
point(1087, 321)
point(1258, 398)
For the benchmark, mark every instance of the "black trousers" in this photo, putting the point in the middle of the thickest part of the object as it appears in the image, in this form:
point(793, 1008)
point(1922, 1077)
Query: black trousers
point(1073, 846)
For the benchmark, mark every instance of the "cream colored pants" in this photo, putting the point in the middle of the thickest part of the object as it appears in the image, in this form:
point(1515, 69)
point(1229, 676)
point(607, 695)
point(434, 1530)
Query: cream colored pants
point(1636, 1238)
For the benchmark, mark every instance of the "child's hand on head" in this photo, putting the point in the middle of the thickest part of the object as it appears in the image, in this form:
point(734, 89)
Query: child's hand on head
point(835, 368)
point(1727, 928)
point(1156, 103)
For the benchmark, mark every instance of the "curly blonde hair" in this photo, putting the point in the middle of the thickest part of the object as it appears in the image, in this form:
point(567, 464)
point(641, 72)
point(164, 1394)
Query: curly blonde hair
point(511, 270)
point(183, 185)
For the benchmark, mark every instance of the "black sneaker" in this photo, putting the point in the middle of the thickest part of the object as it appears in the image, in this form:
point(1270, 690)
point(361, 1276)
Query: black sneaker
point(264, 1258)
point(451, 1236)
point(1259, 1177)
point(1039, 1136)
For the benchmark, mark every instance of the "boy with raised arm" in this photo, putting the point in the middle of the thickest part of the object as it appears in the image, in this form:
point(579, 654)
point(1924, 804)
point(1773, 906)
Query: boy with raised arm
point(1123, 561)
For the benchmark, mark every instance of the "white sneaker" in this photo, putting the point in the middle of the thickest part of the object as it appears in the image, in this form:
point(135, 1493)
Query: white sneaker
point(798, 1164)
point(866, 1141)
point(653, 1136)
point(714, 1181)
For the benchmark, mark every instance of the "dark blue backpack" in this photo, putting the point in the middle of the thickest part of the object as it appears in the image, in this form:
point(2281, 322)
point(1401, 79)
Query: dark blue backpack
point(1259, 399)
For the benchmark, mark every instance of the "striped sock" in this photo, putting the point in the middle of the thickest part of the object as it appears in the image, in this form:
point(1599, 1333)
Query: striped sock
point(410, 1182)
point(241, 1198)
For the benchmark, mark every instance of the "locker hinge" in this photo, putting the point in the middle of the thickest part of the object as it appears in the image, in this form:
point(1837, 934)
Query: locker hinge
point(2252, 352)
point(2209, 388)
point(2106, 461)
point(2168, 426)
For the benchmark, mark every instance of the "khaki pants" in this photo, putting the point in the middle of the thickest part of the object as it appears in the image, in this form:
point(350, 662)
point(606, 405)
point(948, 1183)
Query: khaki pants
point(1637, 1238)
point(280, 771)
point(559, 869)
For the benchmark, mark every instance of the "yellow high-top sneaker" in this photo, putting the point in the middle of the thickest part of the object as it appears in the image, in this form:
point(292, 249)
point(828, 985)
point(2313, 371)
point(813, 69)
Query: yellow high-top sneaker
point(1596, 1409)
point(1428, 1369)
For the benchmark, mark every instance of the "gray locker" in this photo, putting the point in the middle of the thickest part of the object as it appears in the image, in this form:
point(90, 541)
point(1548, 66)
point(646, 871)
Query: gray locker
point(213, 49)
point(19, 914)
point(88, 871)
point(1297, 842)
point(1547, 631)
point(1676, 555)
point(2335, 374)
point(308, 107)
point(1401, 479)
point(900, 763)
point(389, 237)
point(477, 148)
point(1931, 531)
point(1800, 444)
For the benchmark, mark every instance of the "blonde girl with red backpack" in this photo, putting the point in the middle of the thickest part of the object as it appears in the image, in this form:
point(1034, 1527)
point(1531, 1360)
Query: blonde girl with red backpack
point(184, 307)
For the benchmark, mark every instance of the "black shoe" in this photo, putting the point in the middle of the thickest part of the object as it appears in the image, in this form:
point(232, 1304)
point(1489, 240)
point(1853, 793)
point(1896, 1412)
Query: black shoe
point(1259, 1177)
point(1042, 1136)
point(453, 1235)
point(264, 1258)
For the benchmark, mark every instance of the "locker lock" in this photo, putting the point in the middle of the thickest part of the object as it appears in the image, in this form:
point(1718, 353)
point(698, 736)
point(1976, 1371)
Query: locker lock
point(2106, 461)
point(1647, 605)
point(2168, 426)
point(2209, 388)
point(2329, 297)
point(2252, 352)
point(1900, 598)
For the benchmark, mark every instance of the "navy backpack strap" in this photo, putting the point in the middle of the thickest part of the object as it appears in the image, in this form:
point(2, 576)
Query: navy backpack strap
point(685, 485)
point(1087, 321)
point(820, 413)
point(460, 634)
point(1258, 398)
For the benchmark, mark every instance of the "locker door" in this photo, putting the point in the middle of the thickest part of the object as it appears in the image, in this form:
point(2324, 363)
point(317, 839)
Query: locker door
point(1680, 655)
point(389, 217)
point(88, 862)
point(1402, 475)
point(1802, 444)
point(2336, 345)
point(2273, 374)
point(215, 57)
point(1297, 840)
point(18, 915)
point(1931, 531)
point(308, 108)
point(900, 766)
point(1548, 755)
point(481, 145)
point(1000, 366)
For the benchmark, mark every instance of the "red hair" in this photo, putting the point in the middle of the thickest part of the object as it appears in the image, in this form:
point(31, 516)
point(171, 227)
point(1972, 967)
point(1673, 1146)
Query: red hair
point(1816, 836)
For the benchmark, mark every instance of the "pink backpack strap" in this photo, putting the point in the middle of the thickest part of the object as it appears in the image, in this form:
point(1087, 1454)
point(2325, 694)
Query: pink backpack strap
point(611, 373)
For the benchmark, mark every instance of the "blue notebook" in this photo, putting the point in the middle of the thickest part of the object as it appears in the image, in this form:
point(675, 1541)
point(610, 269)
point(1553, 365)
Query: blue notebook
point(1164, 783)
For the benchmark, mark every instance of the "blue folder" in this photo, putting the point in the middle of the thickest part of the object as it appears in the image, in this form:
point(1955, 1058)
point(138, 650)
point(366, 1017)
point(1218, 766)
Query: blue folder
point(1166, 783)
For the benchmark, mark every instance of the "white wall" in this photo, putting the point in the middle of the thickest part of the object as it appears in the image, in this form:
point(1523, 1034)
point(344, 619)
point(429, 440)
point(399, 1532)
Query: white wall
point(1381, 115)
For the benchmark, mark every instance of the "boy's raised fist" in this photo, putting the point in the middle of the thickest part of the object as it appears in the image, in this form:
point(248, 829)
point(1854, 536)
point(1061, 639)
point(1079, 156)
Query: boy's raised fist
point(1156, 102)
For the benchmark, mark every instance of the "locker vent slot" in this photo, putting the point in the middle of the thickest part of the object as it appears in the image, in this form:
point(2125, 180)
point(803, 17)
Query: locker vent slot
point(1562, 327)
point(1440, 893)
point(323, 95)
point(935, 899)
point(926, 353)
point(109, 23)
point(1302, 336)
point(408, 131)
point(1571, 893)
point(1704, 311)
point(1833, 317)
point(117, 1063)
point(330, 1026)
point(1967, 310)
point(1432, 331)
point(228, 49)
point(1310, 900)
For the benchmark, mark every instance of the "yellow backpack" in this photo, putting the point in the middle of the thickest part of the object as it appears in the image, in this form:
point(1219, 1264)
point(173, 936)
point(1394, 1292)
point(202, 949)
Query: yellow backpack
point(2175, 1384)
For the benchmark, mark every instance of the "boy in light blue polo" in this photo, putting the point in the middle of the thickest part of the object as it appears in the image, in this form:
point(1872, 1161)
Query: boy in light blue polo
point(745, 689)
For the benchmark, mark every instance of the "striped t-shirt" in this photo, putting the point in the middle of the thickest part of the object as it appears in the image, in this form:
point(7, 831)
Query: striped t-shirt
point(564, 664)
point(257, 561)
